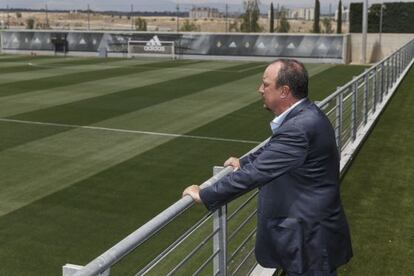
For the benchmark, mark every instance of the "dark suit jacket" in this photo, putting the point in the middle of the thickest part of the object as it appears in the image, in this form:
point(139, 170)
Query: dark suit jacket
point(301, 222)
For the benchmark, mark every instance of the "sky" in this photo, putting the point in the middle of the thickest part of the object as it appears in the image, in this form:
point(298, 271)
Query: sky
point(166, 5)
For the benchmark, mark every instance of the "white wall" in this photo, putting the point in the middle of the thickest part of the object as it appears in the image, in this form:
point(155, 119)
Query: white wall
point(375, 51)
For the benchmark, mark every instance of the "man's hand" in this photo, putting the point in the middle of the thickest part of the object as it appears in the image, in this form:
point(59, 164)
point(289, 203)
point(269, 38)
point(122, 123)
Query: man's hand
point(233, 162)
point(194, 192)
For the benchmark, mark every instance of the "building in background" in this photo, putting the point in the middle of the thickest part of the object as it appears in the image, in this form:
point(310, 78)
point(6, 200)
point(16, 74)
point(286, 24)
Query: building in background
point(204, 12)
point(298, 14)
point(301, 13)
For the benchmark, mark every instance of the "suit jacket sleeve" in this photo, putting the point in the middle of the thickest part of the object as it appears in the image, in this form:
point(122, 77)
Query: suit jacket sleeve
point(286, 150)
point(251, 157)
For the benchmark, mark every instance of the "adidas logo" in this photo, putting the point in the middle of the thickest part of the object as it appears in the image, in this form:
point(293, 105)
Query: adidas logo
point(154, 45)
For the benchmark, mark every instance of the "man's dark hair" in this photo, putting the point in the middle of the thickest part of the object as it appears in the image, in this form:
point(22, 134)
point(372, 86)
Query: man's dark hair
point(292, 73)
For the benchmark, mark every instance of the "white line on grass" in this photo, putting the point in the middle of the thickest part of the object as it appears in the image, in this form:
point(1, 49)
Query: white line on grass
point(132, 66)
point(130, 131)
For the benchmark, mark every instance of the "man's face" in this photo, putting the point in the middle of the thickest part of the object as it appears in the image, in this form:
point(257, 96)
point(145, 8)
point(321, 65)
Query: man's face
point(272, 96)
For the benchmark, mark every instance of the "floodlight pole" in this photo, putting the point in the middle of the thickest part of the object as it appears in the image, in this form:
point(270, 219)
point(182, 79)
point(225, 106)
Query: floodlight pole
point(380, 26)
point(132, 17)
point(364, 32)
point(47, 18)
point(226, 22)
point(89, 26)
point(8, 17)
point(178, 23)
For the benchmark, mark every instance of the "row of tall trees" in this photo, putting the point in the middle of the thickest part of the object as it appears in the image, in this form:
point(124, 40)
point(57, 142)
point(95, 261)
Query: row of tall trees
point(284, 24)
point(326, 22)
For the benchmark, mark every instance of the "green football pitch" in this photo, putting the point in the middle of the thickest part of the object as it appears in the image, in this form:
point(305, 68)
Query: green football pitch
point(90, 149)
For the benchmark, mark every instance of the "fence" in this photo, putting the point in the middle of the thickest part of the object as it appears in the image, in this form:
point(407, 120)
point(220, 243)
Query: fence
point(320, 48)
point(222, 242)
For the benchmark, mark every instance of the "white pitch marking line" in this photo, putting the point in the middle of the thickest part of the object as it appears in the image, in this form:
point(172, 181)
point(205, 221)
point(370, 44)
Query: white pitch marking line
point(131, 131)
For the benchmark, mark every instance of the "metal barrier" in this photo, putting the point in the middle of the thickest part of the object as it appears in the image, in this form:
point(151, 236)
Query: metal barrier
point(228, 248)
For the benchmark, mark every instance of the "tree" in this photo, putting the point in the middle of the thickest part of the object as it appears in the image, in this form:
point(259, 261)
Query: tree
point(326, 22)
point(271, 19)
point(234, 26)
point(284, 25)
point(189, 26)
point(30, 23)
point(140, 24)
point(250, 17)
point(316, 27)
point(355, 17)
point(339, 19)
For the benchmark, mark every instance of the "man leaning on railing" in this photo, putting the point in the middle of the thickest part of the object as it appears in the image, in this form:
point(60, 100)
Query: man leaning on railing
point(301, 225)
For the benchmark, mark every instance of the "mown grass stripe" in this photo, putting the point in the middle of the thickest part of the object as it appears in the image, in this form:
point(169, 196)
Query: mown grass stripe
point(35, 66)
point(21, 58)
point(13, 88)
point(59, 70)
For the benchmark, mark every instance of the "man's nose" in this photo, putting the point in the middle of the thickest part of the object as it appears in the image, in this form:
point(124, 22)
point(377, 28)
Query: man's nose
point(260, 89)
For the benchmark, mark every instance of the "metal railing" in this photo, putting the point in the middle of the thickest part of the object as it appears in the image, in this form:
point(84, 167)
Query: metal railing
point(222, 242)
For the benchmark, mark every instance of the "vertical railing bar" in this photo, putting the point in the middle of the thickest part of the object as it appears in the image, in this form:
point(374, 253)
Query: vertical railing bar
point(394, 68)
point(220, 239)
point(388, 76)
point(382, 82)
point(365, 99)
point(354, 111)
point(338, 121)
point(375, 90)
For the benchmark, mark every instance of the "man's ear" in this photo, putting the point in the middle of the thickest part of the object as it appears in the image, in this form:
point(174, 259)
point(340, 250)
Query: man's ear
point(285, 92)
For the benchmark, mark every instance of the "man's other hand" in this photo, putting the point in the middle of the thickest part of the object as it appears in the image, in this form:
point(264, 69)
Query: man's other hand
point(233, 162)
point(194, 192)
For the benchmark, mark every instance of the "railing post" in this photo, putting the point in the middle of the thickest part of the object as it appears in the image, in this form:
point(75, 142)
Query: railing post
point(365, 99)
point(393, 69)
point(382, 80)
point(388, 75)
point(220, 238)
point(354, 110)
point(399, 63)
point(375, 90)
point(338, 121)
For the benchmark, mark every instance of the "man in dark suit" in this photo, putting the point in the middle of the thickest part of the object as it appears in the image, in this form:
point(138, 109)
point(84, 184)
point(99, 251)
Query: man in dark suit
point(301, 225)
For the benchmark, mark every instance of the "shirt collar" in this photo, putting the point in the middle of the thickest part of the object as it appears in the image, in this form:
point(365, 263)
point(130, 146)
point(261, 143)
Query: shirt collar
point(278, 120)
